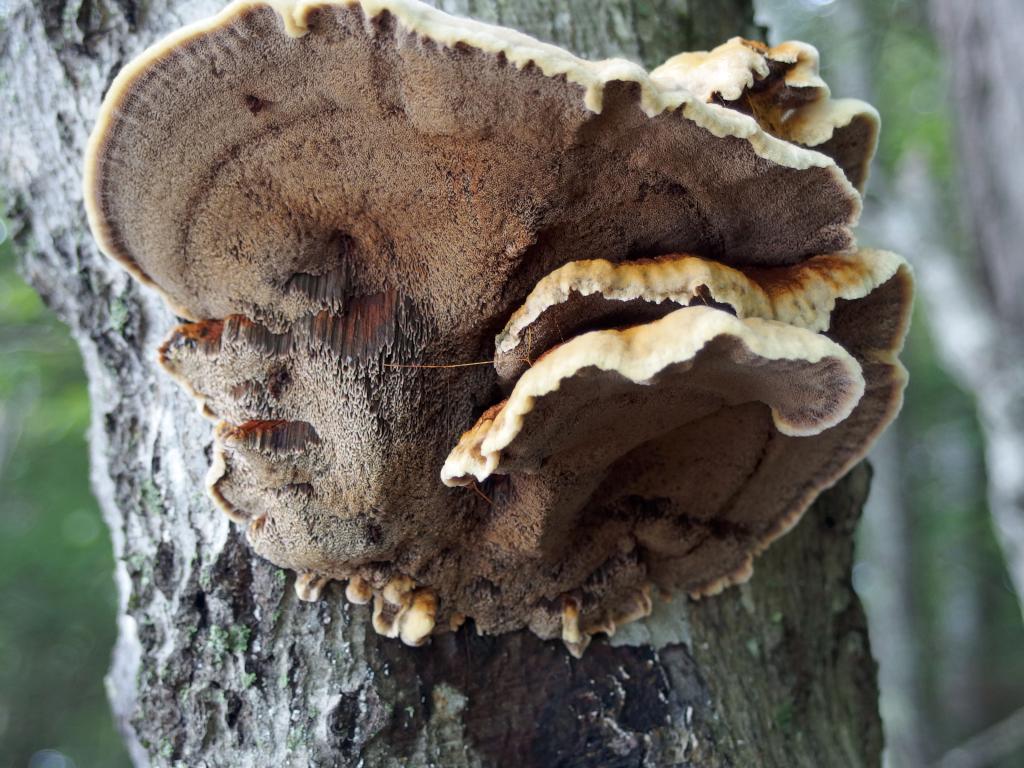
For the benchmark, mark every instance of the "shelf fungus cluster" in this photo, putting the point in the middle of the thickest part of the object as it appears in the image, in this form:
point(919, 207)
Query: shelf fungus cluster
point(354, 204)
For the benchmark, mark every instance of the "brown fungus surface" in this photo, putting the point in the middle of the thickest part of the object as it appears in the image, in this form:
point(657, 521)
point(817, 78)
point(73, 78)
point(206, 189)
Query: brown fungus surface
point(395, 147)
point(780, 87)
point(347, 200)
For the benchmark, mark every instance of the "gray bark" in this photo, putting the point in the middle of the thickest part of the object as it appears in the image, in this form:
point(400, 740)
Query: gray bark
point(982, 310)
point(219, 664)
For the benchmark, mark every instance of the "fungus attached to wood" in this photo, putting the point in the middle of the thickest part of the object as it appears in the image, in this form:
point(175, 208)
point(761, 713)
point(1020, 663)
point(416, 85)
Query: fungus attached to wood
point(727, 419)
point(781, 89)
point(348, 199)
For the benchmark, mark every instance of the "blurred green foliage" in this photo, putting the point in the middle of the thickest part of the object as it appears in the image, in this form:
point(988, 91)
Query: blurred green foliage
point(57, 596)
point(967, 639)
point(968, 636)
point(968, 633)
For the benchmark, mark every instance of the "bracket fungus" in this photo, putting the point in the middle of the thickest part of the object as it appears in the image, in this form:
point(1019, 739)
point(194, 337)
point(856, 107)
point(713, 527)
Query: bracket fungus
point(781, 89)
point(346, 200)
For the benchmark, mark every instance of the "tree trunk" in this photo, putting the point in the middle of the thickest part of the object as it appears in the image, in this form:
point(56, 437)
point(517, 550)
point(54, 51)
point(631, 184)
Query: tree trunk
point(218, 663)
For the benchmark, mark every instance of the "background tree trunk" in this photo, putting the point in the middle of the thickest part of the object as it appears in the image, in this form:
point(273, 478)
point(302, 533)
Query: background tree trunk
point(218, 663)
point(983, 309)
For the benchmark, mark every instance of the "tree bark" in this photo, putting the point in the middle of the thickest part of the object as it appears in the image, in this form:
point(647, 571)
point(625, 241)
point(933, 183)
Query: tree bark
point(219, 664)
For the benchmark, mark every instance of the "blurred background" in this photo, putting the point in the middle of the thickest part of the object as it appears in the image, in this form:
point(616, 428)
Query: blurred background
point(942, 537)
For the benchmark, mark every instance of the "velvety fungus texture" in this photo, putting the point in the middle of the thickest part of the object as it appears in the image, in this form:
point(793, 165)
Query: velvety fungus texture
point(491, 332)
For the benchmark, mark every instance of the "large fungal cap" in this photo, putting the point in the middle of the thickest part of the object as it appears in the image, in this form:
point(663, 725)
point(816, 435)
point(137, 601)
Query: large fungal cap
point(347, 198)
point(701, 436)
point(781, 88)
point(280, 156)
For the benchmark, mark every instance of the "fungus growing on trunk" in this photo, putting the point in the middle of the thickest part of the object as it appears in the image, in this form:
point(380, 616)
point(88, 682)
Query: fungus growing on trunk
point(781, 89)
point(347, 200)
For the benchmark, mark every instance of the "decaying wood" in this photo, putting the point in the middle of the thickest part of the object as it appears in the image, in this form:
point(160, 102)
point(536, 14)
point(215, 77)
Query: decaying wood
point(218, 663)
